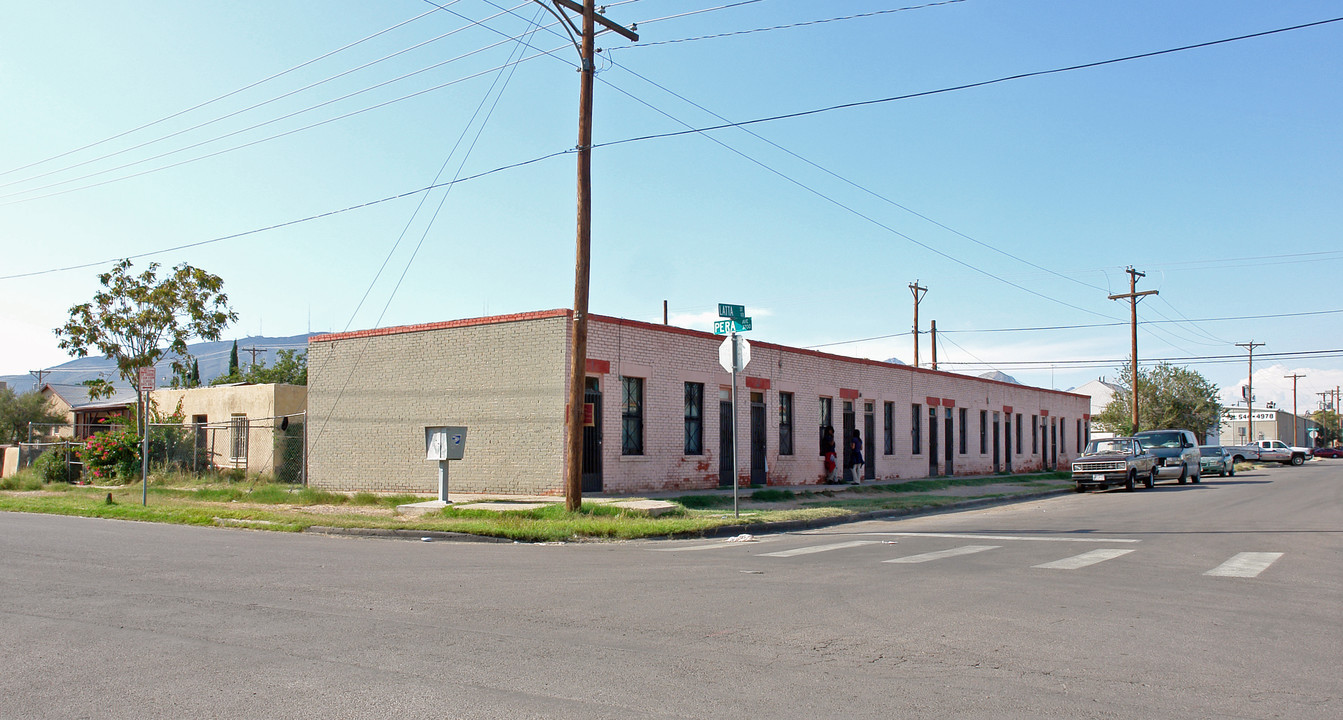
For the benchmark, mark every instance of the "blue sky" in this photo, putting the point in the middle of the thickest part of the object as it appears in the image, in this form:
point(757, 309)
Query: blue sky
point(1018, 204)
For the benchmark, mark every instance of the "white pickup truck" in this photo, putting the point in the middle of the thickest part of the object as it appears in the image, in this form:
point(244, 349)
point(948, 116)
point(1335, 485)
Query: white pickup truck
point(1278, 451)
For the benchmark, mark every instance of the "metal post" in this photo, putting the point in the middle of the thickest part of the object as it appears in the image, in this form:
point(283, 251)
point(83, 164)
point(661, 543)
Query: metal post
point(736, 361)
point(144, 447)
point(443, 480)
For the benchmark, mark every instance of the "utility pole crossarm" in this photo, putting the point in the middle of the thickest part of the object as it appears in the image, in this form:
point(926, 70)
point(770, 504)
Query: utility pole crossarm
point(608, 24)
point(1133, 296)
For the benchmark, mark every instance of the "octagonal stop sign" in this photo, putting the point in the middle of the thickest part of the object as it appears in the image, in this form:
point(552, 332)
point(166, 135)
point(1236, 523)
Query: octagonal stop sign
point(743, 353)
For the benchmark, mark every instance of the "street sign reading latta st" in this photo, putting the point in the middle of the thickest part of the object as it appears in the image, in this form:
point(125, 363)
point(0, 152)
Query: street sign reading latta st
point(736, 312)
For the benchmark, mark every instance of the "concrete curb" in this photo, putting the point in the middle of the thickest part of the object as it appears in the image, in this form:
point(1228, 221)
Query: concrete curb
point(796, 525)
point(405, 534)
point(716, 532)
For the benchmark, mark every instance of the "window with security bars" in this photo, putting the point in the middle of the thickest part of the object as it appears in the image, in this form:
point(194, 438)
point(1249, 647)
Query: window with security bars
point(238, 438)
point(694, 418)
point(916, 429)
point(632, 416)
point(964, 427)
point(888, 410)
point(983, 432)
point(785, 423)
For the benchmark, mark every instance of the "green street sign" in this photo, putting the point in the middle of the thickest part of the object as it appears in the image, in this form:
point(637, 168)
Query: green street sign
point(723, 327)
point(736, 312)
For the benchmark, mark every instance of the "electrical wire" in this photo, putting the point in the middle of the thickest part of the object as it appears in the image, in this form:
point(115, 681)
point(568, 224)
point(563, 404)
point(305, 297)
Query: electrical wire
point(775, 27)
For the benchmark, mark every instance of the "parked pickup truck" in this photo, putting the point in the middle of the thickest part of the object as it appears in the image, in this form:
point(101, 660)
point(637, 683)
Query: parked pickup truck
point(1278, 451)
point(1114, 461)
point(1242, 453)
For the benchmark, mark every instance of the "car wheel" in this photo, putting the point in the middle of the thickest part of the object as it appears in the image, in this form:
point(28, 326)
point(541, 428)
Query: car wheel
point(1131, 482)
point(1079, 489)
point(1184, 474)
point(1298, 459)
point(1237, 459)
point(1222, 473)
point(1196, 477)
point(1150, 481)
point(1231, 470)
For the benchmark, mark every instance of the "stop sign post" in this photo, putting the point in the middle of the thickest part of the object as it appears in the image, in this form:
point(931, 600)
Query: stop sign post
point(734, 354)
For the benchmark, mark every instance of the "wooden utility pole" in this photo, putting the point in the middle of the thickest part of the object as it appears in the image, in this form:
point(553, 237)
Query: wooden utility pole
point(918, 295)
point(578, 341)
point(1249, 387)
point(253, 351)
point(932, 340)
point(39, 374)
point(1294, 378)
point(1133, 296)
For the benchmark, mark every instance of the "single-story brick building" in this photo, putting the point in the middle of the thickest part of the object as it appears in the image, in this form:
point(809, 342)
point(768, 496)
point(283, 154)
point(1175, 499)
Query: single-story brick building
point(654, 423)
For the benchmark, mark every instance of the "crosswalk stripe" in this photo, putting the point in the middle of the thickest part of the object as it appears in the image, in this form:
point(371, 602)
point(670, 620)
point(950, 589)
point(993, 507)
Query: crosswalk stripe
point(940, 554)
point(1087, 558)
point(715, 546)
point(820, 548)
point(1041, 538)
point(1245, 565)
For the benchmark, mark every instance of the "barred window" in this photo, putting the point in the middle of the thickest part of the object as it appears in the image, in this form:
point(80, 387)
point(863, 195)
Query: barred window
point(238, 438)
point(983, 432)
point(632, 416)
point(964, 426)
point(916, 429)
point(694, 418)
point(785, 423)
point(889, 410)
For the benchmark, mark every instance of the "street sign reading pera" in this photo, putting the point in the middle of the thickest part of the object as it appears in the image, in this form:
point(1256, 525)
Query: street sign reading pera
point(723, 327)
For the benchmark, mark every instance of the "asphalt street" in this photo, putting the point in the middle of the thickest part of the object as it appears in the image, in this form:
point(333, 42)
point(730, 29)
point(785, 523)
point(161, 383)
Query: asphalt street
point(1223, 599)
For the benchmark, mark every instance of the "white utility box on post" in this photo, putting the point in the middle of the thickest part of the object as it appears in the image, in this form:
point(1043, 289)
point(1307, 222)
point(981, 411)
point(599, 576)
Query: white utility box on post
point(444, 443)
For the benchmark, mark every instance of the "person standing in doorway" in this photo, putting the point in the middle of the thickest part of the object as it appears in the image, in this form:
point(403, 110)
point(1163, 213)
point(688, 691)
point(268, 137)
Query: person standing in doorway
point(856, 456)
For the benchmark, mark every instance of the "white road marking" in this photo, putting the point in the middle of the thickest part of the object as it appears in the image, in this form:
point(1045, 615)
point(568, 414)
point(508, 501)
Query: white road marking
point(1087, 558)
point(1245, 565)
point(1010, 537)
point(940, 554)
point(723, 545)
point(820, 548)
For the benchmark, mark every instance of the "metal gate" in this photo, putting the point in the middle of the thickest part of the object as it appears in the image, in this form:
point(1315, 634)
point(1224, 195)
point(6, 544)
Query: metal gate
point(725, 443)
point(757, 438)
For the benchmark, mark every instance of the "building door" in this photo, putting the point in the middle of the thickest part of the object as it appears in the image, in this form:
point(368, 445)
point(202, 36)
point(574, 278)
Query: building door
point(758, 438)
point(947, 444)
point(848, 439)
point(997, 443)
point(592, 436)
point(932, 442)
point(1053, 444)
point(1007, 441)
point(724, 439)
point(869, 440)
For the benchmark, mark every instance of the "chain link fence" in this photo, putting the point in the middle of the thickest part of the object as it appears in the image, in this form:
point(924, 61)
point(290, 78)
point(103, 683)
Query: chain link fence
point(274, 447)
point(271, 446)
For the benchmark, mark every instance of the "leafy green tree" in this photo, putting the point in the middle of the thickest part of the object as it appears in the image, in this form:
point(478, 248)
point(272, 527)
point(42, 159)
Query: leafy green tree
point(1328, 421)
point(17, 410)
point(1169, 397)
point(291, 366)
point(137, 320)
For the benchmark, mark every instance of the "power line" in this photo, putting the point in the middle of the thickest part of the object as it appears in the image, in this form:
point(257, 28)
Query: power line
point(967, 86)
point(775, 27)
point(221, 97)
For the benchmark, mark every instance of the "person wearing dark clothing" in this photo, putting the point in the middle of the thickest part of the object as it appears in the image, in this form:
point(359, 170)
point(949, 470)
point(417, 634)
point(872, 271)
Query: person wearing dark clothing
point(856, 456)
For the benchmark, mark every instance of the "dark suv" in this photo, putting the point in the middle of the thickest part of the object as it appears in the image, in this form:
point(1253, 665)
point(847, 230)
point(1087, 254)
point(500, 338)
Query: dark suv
point(1176, 451)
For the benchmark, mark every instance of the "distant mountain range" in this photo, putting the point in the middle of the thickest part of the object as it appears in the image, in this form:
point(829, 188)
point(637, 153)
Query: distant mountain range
point(212, 356)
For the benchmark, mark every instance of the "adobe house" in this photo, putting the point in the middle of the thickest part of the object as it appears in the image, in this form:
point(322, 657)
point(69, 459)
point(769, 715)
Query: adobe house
point(659, 417)
point(240, 425)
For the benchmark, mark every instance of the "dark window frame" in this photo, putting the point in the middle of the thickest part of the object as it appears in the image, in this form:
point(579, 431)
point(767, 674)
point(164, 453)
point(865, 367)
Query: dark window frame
point(1035, 435)
point(694, 418)
point(916, 429)
point(785, 423)
point(983, 432)
point(888, 414)
point(631, 416)
point(964, 420)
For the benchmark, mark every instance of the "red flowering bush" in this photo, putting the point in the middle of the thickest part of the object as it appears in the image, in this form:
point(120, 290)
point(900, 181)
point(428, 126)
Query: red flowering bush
point(112, 455)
